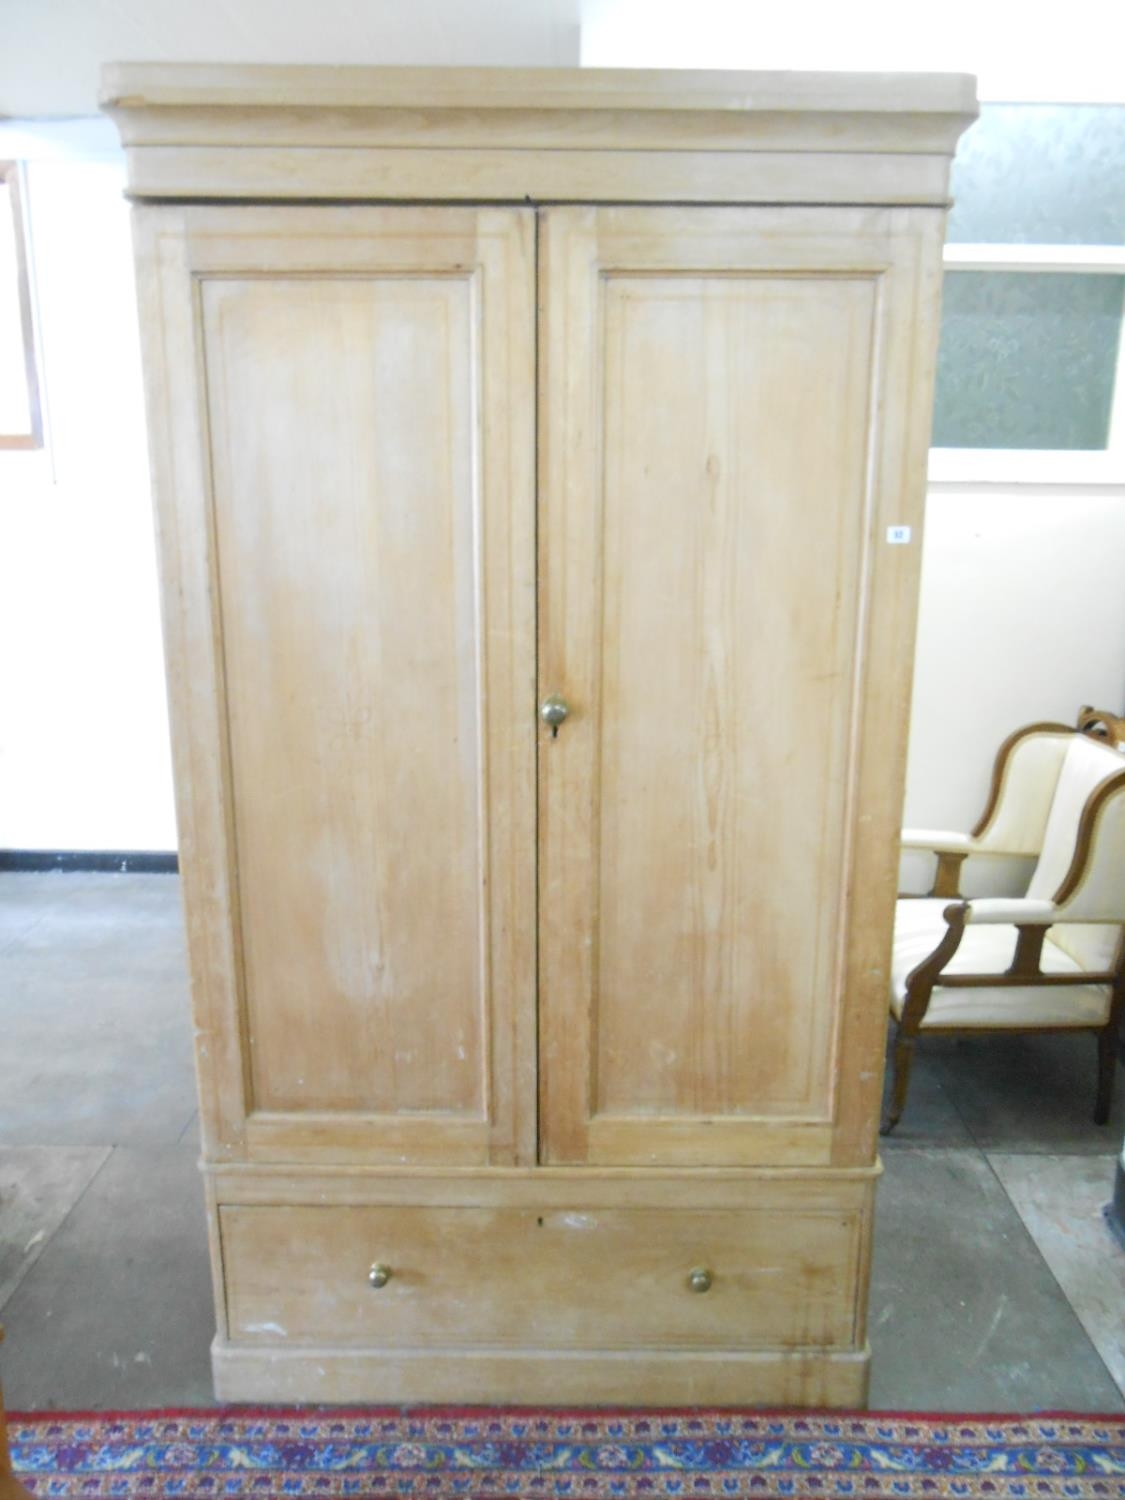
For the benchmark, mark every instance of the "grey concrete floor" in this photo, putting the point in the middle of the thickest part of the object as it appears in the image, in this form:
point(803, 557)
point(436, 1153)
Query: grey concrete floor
point(996, 1285)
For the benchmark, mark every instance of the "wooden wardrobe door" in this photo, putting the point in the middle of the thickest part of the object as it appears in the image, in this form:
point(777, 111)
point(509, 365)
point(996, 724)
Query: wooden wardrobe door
point(722, 612)
point(357, 711)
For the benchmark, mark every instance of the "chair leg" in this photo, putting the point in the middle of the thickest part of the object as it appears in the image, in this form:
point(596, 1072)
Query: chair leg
point(903, 1060)
point(1107, 1068)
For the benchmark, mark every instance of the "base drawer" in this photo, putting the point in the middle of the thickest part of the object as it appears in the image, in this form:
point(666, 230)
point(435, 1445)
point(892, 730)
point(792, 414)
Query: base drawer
point(546, 1278)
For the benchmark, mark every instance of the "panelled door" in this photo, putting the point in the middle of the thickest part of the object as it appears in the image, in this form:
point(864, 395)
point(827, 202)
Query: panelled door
point(727, 625)
point(354, 557)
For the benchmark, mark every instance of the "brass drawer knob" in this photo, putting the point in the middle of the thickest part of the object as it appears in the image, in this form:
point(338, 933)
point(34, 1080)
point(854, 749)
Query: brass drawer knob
point(700, 1279)
point(379, 1275)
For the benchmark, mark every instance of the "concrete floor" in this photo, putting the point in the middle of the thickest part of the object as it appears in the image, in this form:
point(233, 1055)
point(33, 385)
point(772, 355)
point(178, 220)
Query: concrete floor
point(996, 1285)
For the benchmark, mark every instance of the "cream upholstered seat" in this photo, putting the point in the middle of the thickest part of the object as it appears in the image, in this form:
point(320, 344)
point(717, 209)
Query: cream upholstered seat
point(1050, 960)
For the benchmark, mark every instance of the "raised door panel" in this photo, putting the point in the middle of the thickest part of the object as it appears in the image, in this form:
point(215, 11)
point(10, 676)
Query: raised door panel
point(366, 383)
point(719, 452)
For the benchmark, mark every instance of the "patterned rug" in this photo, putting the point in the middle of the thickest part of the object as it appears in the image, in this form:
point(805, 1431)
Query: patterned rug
point(493, 1455)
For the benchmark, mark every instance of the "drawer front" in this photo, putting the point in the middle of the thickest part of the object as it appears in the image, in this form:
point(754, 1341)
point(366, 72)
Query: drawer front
point(543, 1279)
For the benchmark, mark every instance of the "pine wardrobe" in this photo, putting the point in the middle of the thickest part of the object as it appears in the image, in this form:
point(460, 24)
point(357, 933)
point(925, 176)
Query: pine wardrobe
point(539, 461)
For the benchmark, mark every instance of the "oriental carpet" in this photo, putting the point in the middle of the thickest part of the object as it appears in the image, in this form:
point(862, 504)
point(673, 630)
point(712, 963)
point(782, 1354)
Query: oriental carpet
point(564, 1454)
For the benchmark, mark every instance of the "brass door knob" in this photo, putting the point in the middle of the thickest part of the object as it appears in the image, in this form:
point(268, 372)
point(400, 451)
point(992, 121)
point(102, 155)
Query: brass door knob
point(553, 711)
point(700, 1279)
point(379, 1275)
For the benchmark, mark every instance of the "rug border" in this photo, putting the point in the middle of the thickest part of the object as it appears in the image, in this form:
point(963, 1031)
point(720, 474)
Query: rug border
point(562, 1412)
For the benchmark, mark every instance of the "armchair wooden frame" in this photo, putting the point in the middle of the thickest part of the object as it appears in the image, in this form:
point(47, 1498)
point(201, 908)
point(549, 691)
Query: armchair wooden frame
point(1032, 920)
point(1100, 724)
point(953, 850)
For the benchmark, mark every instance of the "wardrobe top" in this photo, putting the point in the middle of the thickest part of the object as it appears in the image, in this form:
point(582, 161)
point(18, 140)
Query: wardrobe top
point(232, 85)
point(229, 130)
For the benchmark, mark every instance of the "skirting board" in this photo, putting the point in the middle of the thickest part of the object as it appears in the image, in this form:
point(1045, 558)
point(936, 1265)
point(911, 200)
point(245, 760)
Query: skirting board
point(120, 861)
point(520, 1377)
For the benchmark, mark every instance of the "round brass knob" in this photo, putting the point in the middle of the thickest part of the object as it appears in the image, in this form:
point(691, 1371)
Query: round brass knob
point(553, 711)
point(379, 1275)
point(700, 1279)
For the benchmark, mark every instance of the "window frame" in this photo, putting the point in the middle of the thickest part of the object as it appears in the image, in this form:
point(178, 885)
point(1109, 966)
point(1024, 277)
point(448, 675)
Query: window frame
point(12, 177)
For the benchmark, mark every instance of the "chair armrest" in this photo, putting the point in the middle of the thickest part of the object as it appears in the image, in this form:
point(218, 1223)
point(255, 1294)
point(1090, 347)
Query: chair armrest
point(945, 841)
point(1024, 912)
point(1031, 920)
point(1013, 911)
point(952, 850)
point(922, 978)
point(937, 841)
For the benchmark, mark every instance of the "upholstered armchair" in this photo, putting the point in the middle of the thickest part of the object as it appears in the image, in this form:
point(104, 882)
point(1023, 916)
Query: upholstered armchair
point(1051, 960)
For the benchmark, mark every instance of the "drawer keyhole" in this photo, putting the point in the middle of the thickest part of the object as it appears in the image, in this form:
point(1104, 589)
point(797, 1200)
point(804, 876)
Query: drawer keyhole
point(700, 1279)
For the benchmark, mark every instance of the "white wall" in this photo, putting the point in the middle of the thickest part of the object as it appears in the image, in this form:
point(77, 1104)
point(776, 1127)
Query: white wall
point(1022, 618)
point(53, 49)
point(1022, 613)
point(1019, 49)
point(84, 760)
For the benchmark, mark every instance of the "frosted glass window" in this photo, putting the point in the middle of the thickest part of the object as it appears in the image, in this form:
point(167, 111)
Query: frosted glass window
point(1027, 359)
point(1046, 174)
point(19, 406)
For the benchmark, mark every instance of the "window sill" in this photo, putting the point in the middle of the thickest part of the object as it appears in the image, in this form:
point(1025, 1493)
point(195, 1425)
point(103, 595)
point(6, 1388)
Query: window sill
point(967, 468)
